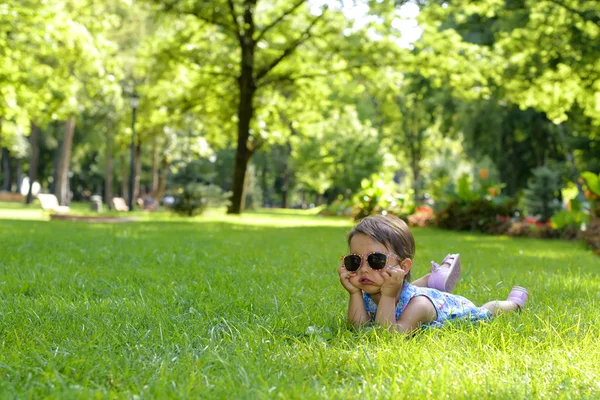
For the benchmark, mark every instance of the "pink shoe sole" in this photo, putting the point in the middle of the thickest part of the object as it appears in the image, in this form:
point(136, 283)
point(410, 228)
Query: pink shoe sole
point(518, 295)
point(445, 278)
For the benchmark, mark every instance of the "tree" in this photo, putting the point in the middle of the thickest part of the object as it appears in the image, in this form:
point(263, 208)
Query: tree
point(263, 39)
point(57, 60)
point(337, 153)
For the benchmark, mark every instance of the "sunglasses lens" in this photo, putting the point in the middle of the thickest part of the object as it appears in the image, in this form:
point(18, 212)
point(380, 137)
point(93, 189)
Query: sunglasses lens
point(352, 262)
point(377, 260)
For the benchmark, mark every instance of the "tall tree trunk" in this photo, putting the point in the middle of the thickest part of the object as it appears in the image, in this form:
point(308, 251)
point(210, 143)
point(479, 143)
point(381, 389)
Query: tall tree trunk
point(155, 162)
point(56, 157)
point(19, 177)
point(243, 154)
point(265, 188)
point(108, 180)
point(124, 177)
point(138, 171)
point(247, 85)
point(62, 178)
point(162, 179)
point(416, 176)
point(285, 185)
point(33, 163)
point(285, 188)
point(6, 186)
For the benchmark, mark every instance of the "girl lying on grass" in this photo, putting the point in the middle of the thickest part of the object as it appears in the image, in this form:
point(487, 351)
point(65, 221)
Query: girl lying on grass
point(376, 274)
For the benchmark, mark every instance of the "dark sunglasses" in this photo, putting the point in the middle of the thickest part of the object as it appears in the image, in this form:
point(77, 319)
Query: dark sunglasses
point(376, 260)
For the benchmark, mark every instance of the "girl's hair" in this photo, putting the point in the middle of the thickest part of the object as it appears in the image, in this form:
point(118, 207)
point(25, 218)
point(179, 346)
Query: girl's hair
point(390, 231)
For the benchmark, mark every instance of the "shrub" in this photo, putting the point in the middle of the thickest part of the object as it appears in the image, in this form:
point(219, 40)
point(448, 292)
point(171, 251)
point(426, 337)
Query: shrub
point(339, 207)
point(421, 219)
point(480, 215)
point(193, 198)
point(592, 192)
point(376, 197)
point(518, 229)
point(592, 235)
point(541, 195)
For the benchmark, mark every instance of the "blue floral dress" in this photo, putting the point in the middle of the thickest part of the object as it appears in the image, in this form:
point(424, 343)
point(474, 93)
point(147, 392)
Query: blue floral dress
point(448, 306)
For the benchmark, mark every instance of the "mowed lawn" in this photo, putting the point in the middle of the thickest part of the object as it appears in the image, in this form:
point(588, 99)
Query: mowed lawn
point(252, 308)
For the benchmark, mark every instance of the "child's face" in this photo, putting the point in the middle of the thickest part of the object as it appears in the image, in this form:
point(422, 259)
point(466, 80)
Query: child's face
point(366, 278)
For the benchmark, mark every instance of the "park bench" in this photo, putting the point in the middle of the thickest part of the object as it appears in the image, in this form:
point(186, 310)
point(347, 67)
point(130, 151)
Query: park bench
point(8, 196)
point(119, 204)
point(49, 202)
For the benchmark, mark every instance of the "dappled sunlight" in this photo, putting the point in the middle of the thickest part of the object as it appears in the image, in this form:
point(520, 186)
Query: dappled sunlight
point(25, 214)
point(224, 297)
point(267, 217)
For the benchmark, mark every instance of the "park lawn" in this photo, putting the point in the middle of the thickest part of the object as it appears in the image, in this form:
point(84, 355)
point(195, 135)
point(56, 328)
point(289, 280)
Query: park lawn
point(251, 307)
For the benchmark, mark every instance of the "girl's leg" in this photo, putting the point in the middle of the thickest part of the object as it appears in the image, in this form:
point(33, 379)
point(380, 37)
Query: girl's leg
point(516, 301)
point(501, 306)
point(422, 281)
point(442, 277)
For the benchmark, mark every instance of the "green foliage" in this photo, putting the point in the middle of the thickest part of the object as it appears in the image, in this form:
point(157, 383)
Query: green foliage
point(592, 193)
point(193, 199)
point(338, 207)
point(592, 235)
point(377, 197)
point(367, 200)
point(337, 153)
point(483, 186)
point(541, 196)
point(592, 181)
point(566, 219)
point(479, 215)
point(464, 192)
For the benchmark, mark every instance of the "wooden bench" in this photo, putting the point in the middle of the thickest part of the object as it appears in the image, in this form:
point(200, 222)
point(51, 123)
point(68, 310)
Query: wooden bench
point(49, 202)
point(119, 204)
point(8, 196)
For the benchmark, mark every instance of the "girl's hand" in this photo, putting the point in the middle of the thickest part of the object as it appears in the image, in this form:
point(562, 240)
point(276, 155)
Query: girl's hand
point(393, 279)
point(345, 276)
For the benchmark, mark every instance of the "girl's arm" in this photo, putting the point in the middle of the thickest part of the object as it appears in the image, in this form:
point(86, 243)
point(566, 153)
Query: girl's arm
point(357, 314)
point(419, 311)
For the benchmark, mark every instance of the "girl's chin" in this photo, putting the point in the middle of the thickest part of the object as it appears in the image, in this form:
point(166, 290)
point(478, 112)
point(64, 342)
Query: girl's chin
point(371, 289)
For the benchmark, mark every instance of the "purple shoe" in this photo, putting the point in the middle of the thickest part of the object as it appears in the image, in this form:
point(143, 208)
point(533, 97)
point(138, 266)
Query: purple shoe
point(444, 278)
point(519, 296)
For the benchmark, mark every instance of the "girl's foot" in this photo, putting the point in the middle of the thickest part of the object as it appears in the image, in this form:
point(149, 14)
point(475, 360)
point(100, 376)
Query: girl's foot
point(444, 277)
point(519, 296)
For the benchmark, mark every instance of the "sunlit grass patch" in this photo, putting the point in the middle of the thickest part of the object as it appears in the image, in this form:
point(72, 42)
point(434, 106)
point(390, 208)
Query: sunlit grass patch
point(251, 307)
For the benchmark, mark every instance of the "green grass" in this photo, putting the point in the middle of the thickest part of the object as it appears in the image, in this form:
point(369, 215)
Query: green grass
point(251, 307)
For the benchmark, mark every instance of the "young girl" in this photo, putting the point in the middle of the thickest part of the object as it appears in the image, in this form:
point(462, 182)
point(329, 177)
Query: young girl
point(376, 274)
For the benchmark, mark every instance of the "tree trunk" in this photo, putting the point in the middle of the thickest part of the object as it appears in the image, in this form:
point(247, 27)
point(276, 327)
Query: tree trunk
point(108, 179)
point(62, 178)
point(56, 157)
point(285, 187)
point(138, 171)
point(245, 112)
point(124, 177)
point(33, 164)
point(19, 177)
point(6, 186)
point(162, 179)
point(416, 175)
point(154, 167)
point(265, 189)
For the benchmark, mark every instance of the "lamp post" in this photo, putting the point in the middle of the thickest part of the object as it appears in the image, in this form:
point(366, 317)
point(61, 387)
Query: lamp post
point(135, 101)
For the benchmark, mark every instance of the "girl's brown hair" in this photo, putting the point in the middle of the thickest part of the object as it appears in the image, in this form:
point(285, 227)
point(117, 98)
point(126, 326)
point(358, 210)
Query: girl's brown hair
point(390, 231)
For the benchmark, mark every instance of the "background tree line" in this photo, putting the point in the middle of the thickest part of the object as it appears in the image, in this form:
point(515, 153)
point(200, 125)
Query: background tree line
point(294, 102)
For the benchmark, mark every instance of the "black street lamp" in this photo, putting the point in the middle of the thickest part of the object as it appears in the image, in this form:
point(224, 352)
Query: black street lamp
point(135, 101)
